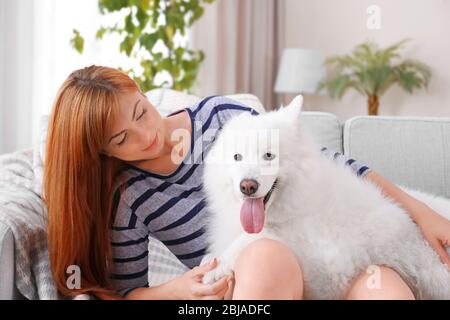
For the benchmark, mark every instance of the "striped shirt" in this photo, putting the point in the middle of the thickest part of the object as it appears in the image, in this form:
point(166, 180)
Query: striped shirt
point(171, 208)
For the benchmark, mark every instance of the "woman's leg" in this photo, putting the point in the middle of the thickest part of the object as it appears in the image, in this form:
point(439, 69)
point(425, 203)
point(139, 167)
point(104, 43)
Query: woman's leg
point(381, 283)
point(267, 269)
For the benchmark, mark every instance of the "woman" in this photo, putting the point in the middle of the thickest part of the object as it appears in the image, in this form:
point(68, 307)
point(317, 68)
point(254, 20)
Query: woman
point(116, 173)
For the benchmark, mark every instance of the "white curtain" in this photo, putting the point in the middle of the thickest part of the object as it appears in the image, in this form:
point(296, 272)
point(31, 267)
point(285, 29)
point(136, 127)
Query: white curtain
point(242, 41)
point(16, 50)
point(36, 57)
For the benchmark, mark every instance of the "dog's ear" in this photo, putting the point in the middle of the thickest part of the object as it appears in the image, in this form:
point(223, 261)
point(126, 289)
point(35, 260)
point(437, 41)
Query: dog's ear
point(295, 107)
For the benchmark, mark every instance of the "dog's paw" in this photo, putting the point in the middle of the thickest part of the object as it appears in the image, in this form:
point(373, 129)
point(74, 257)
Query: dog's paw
point(223, 269)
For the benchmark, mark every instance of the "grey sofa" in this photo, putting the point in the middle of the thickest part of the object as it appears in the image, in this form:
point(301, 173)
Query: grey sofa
point(414, 152)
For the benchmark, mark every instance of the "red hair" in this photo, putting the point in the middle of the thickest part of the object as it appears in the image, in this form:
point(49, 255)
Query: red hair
point(78, 178)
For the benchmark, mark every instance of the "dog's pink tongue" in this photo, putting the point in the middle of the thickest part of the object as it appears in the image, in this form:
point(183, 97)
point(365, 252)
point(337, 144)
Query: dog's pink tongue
point(252, 215)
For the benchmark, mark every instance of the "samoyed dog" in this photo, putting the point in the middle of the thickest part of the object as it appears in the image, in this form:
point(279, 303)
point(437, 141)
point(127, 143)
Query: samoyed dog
point(265, 178)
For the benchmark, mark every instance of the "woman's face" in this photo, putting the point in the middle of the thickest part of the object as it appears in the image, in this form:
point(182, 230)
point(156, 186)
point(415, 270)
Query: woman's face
point(137, 132)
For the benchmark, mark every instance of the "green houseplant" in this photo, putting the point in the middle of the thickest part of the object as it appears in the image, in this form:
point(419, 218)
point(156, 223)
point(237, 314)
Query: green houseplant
point(146, 23)
point(371, 71)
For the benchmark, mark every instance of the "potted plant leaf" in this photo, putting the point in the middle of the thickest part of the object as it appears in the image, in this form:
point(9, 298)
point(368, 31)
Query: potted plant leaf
point(146, 23)
point(372, 71)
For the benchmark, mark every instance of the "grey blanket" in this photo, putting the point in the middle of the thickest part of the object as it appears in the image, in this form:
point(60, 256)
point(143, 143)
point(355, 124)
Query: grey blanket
point(24, 212)
point(22, 209)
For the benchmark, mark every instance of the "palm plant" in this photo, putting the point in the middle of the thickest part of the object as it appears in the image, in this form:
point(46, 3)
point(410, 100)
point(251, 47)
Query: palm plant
point(371, 71)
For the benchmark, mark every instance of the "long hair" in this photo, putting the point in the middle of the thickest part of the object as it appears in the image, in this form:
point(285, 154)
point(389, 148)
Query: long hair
point(79, 179)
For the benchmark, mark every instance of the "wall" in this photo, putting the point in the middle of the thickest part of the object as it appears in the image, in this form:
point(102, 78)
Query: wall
point(335, 27)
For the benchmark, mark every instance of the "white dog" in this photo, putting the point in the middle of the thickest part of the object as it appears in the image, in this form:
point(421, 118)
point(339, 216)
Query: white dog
point(265, 178)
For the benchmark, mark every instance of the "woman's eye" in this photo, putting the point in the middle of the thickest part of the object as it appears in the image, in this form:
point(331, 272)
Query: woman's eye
point(123, 140)
point(142, 114)
point(268, 156)
point(238, 157)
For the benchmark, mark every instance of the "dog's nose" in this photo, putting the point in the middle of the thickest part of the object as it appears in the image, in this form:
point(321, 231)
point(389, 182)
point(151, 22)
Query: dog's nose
point(249, 186)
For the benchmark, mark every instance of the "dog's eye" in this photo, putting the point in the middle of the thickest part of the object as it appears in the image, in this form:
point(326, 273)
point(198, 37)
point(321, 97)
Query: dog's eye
point(238, 157)
point(268, 156)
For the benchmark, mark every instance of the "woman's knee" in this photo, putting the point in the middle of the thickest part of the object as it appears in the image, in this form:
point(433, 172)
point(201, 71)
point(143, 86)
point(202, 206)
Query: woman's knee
point(266, 252)
point(270, 263)
point(379, 283)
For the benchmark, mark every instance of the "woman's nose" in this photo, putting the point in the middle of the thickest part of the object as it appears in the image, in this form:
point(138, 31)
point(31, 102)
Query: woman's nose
point(144, 137)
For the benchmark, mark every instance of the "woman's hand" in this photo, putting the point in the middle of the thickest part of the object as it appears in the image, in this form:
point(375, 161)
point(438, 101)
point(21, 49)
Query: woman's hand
point(189, 286)
point(436, 230)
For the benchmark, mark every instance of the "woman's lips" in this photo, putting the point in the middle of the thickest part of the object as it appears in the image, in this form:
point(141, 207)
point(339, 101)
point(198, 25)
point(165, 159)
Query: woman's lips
point(152, 144)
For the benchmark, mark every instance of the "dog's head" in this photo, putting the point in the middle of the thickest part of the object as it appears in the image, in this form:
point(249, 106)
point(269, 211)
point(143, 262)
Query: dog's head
point(250, 162)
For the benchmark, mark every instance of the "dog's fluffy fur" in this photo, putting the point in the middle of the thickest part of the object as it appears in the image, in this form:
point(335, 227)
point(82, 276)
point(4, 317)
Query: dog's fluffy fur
point(336, 223)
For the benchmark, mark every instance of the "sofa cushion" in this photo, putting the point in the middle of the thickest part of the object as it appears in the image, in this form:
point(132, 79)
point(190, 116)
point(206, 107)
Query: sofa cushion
point(324, 128)
point(167, 100)
point(411, 151)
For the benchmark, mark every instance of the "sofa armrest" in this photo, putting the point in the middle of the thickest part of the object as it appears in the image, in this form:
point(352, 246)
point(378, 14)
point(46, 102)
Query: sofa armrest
point(8, 289)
